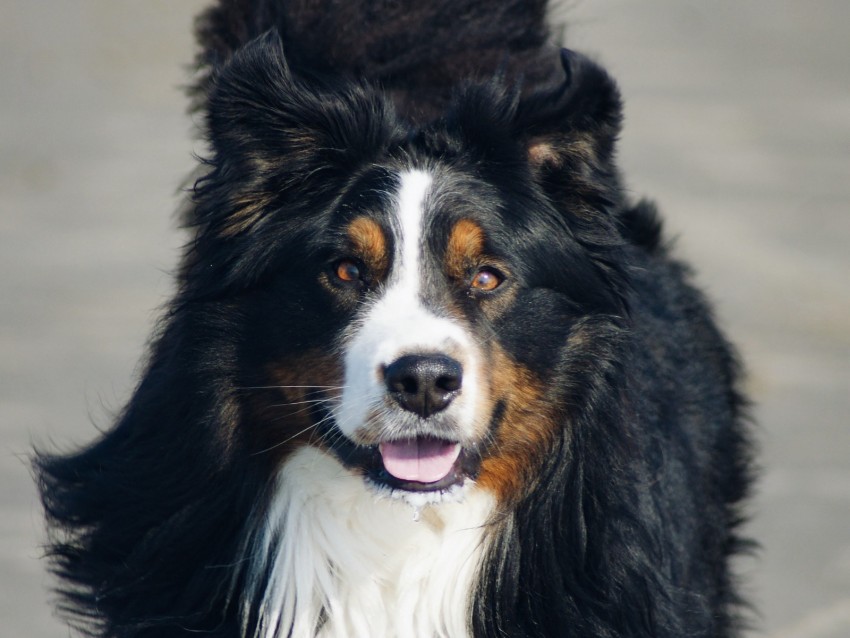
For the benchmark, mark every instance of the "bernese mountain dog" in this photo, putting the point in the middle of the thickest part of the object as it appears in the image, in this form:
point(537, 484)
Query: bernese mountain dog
point(428, 370)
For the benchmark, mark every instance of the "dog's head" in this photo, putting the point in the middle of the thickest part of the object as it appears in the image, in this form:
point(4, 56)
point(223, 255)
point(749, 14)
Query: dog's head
point(426, 304)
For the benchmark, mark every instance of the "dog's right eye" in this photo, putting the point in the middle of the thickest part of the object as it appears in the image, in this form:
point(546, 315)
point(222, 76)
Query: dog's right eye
point(348, 271)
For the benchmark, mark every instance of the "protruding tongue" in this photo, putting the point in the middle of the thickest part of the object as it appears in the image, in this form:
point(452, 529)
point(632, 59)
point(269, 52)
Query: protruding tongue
point(422, 460)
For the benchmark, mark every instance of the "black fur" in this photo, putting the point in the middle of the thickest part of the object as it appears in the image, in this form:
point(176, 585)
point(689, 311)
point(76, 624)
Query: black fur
point(626, 526)
point(416, 51)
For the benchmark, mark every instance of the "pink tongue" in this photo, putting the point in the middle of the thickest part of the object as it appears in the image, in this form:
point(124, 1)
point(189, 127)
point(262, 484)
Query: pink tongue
point(421, 460)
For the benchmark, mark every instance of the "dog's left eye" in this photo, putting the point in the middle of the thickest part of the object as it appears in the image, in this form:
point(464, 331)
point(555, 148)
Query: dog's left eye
point(486, 280)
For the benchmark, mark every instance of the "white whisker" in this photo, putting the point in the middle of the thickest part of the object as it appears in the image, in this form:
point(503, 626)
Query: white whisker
point(306, 402)
point(285, 387)
point(285, 441)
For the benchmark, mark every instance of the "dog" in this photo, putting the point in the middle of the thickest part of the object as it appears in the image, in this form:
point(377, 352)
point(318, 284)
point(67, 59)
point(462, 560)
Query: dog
point(428, 370)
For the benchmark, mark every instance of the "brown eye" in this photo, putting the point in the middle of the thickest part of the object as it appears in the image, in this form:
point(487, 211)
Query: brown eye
point(486, 280)
point(348, 271)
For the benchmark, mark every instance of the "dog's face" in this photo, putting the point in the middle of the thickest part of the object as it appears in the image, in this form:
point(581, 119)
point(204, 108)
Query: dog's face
point(428, 371)
point(412, 301)
point(413, 368)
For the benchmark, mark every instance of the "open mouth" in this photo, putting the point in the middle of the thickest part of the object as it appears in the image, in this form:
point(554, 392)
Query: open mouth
point(422, 464)
point(419, 464)
point(420, 460)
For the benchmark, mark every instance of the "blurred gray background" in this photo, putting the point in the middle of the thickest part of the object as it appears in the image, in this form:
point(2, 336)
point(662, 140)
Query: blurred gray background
point(737, 124)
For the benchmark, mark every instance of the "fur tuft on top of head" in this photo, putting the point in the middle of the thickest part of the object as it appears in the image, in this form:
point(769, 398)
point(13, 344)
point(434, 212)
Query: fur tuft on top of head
point(418, 52)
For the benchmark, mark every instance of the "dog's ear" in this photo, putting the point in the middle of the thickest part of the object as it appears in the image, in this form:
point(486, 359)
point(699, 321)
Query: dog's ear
point(282, 146)
point(263, 119)
point(565, 133)
point(575, 126)
point(568, 136)
point(561, 140)
point(274, 136)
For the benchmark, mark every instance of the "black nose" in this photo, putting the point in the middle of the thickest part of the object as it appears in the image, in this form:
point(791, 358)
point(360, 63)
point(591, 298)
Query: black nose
point(423, 384)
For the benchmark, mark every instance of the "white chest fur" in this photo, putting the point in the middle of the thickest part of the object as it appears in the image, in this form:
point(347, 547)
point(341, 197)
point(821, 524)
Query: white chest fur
point(334, 560)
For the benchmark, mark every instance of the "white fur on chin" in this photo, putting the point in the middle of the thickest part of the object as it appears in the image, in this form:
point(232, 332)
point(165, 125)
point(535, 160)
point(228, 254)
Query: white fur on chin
point(335, 559)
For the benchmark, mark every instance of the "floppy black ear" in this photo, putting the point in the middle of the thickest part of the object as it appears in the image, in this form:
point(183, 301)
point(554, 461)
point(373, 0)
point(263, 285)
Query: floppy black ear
point(574, 126)
point(282, 147)
point(565, 134)
point(568, 136)
point(263, 119)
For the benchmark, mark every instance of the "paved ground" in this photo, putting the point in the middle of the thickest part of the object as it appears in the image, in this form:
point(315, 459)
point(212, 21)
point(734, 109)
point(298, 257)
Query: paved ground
point(738, 123)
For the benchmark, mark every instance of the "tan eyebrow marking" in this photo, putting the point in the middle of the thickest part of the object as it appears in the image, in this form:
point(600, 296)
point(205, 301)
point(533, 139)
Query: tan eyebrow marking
point(465, 247)
point(370, 243)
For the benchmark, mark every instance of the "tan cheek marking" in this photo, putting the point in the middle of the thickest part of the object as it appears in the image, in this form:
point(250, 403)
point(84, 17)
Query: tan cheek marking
point(370, 243)
point(465, 248)
point(282, 410)
point(524, 434)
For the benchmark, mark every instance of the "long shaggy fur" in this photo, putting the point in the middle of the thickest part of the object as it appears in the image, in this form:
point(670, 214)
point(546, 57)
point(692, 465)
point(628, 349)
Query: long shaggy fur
point(601, 474)
point(416, 51)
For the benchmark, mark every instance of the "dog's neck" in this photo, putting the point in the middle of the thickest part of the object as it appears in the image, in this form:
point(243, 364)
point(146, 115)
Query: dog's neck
point(333, 559)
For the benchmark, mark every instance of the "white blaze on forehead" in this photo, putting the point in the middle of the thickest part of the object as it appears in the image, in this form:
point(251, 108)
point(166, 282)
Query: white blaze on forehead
point(399, 323)
point(411, 212)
